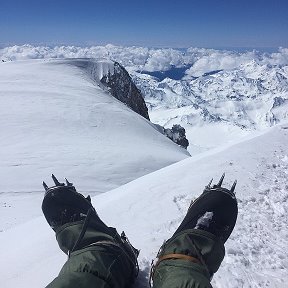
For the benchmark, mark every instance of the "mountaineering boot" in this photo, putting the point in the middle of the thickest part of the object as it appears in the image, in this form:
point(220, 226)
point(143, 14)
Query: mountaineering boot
point(98, 255)
point(63, 204)
point(195, 251)
point(214, 211)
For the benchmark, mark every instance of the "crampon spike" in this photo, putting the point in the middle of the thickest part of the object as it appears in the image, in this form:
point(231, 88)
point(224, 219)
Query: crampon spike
point(68, 183)
point(233, 187)
point(57, 183)
point(45, 186)
point(221, 180)
point(209, 184)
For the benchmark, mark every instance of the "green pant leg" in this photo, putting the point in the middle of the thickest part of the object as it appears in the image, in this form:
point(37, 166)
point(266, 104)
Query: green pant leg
point(75, 279)
point(100, 262)
point(179, 273)
point(95, 266)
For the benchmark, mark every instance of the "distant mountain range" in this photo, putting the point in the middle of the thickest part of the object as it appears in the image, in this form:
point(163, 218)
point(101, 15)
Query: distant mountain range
point(251, 96)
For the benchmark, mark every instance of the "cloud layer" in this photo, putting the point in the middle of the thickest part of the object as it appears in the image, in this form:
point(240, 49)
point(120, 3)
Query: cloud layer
point(199, 60)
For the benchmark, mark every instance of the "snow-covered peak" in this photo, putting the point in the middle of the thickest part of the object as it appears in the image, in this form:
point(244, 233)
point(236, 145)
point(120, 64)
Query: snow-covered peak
point(114, 78)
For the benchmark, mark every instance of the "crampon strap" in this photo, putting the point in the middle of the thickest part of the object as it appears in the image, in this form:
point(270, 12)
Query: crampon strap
point(170, 257)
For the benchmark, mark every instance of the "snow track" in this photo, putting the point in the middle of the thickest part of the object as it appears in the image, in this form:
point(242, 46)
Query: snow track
point(257, 251)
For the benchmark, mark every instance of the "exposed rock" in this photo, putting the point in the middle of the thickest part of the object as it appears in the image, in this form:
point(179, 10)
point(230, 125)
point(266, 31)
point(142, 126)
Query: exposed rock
point(278, 101)
point(177, 134)
point(122, 87)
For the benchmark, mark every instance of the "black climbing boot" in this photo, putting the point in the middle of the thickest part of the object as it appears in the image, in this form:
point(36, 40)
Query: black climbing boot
point(214, 211)
point(63, 204)
point(98, 255)
point(195, 251)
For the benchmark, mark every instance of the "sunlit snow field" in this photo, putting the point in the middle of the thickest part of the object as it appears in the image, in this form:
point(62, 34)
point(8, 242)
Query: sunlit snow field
point(55, 119)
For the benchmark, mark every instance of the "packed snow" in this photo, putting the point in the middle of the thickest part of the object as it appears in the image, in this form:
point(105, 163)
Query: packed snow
point(55, 118)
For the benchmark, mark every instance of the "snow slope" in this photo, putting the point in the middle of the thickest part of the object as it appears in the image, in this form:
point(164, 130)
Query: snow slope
point(150, 208)
point(54, 117)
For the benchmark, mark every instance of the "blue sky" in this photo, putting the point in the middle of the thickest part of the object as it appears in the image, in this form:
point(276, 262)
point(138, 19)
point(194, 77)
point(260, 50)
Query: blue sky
point(145, 23)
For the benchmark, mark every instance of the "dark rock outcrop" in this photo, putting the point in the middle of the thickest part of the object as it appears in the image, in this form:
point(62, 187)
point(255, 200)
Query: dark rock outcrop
point(278, 101)
point(121, 86)
point(177, 134)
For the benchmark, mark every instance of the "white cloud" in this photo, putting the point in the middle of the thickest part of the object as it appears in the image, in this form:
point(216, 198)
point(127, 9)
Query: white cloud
point(279, 58)
point(201, 60)
point(220, 60)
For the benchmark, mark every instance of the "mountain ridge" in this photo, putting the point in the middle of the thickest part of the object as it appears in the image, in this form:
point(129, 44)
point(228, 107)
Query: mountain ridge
point(251, 87)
